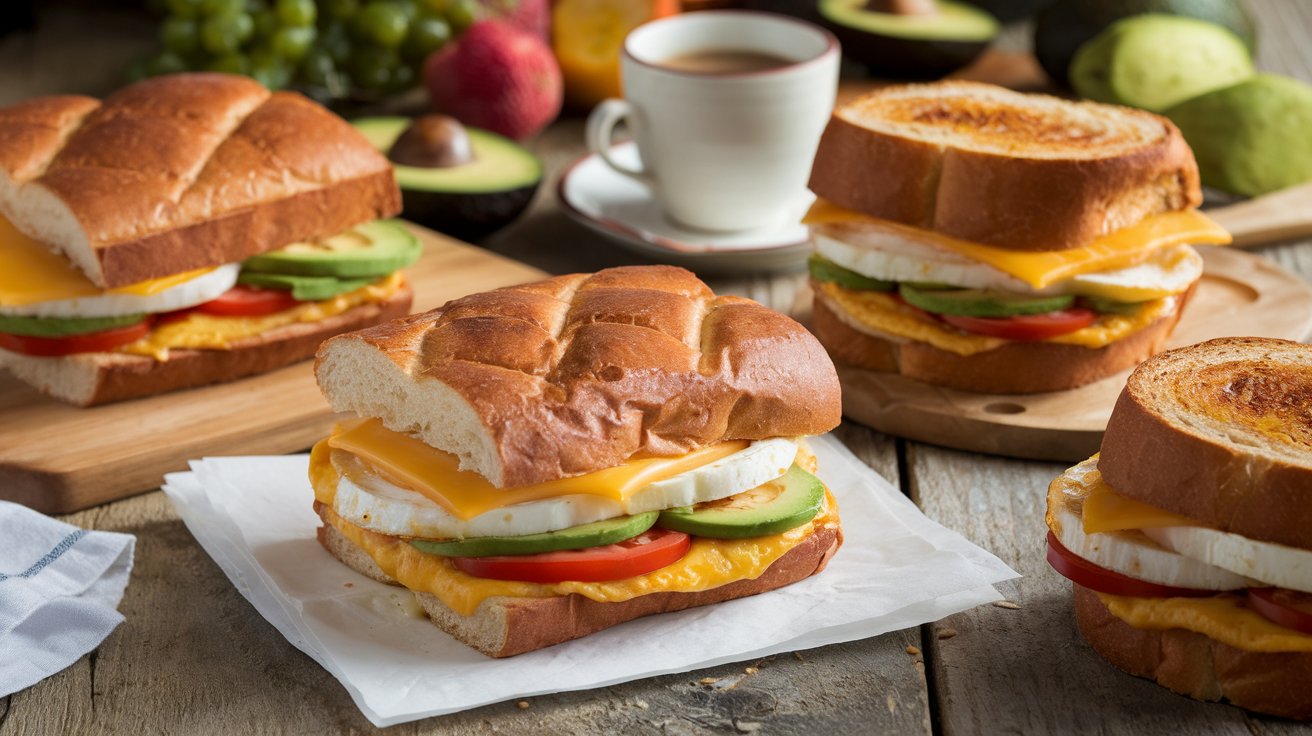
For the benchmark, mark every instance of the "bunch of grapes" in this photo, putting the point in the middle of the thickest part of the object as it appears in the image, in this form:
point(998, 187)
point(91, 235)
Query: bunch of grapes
point(330, 46)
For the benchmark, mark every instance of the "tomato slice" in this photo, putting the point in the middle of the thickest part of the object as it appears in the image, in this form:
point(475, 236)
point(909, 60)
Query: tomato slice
point(651, 550)
point(1288, 608)
point(1025, 327)
point(1091, 576)
point(92, 342)
point(248, 301)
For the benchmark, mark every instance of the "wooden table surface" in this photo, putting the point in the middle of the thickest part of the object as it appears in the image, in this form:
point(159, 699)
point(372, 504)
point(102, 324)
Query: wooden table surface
point(195, 657)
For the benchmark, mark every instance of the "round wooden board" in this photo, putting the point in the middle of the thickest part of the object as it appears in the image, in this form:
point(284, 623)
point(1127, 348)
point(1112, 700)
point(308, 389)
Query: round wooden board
point(1240, 294)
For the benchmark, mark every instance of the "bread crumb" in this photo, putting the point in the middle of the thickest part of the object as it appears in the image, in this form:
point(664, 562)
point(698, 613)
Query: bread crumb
point(1007, 605)
point(746, 726)
point(641, 704)
point(751, 670)
point(523, 704)
point(947, 633)
point(913, 651)
point(709, 680)
point(798, 655)
point(348, 585)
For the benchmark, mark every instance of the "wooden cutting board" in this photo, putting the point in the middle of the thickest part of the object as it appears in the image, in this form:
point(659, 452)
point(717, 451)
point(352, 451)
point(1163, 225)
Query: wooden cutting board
point(1240, 294)
point(58, 458)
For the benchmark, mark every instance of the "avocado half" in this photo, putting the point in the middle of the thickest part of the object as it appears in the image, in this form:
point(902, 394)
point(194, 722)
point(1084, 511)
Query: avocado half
point(468, 201)
point(910, 46)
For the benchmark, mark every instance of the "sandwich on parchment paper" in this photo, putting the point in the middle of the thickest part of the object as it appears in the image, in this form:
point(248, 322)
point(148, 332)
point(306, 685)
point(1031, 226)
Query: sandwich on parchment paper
point(544, 461)
point(124, 224)
point(987, 240)
point(1189, 537)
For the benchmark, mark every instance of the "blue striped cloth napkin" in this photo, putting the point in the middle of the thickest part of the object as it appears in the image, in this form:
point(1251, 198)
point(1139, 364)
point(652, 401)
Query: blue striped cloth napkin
point(59, 592)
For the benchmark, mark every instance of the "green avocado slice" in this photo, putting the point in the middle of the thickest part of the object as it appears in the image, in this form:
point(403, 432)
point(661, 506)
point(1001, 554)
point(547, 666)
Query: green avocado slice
point(365, 251)
point(770, 508)
point(596, 534)
point(982, 303)
point(823, 269)
point(303, 288)
point(63, 326)
point(953, 21)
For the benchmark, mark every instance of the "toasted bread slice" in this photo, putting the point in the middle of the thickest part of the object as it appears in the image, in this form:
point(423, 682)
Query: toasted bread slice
point(503, 626)
point(89, 379)
point(1220, 432)
point(1196, 665)
point(986, 164)
point(183, 172)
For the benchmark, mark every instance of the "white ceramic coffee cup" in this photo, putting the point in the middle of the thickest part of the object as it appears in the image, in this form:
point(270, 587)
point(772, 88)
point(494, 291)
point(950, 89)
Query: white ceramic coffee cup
point(722, 151)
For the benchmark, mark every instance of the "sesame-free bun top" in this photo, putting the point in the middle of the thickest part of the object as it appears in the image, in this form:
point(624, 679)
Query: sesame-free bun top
point(578, 373)
point(983, 163)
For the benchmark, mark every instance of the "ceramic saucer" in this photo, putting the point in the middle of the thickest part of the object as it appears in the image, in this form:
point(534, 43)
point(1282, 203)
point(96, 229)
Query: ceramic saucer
point(624, 211)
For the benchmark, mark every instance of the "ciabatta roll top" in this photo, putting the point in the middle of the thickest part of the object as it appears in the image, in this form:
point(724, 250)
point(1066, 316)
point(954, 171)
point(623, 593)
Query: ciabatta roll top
point(183, 172)
point(986, 164)
point(581, 372)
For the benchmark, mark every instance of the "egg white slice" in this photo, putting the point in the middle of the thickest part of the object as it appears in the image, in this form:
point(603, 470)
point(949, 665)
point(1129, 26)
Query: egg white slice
point(186, 294)
point(1134, 554)
point(1272, 564)
point(370, 502)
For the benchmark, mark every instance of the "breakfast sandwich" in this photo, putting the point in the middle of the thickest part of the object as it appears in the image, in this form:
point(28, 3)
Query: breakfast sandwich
point(544, 461)
point(1189, 537)
point(987, 240)
point(186, 230)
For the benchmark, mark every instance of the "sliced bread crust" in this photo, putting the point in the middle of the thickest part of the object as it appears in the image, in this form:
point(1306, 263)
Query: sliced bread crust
point(1220, 432)
point(89, 379)
point(503, 626)
point(986, 164)
point(1196, 665)
point(1013, 368)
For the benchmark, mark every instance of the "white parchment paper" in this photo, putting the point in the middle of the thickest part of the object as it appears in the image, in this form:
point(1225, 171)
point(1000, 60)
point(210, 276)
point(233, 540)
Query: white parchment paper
point(253, 515)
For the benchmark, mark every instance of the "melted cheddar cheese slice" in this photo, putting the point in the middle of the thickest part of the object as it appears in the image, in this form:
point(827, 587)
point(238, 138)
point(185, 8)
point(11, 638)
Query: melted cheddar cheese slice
point(1039, 269)
point(411, 463)
point(30, 273)
point(879, 312)
point(1222, 617)
point(709, 563)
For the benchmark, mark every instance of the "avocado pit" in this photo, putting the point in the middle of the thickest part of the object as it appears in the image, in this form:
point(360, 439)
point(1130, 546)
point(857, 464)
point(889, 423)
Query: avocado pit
point(432, 142)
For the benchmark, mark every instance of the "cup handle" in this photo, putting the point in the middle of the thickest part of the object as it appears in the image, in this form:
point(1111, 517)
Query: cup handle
point(600, 130)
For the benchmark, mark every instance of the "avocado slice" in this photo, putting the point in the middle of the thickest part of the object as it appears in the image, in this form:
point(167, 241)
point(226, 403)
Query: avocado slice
point(469, 200)
point(981, 302)
point(1250, 138)
point(1155, 61)
point(910, 45)
point(303, 288)
point(1103, 305)
point(596, 534)
point(770, 508)
point(823, 269)
point(1062, 27)
point(365, 251)
point(14, 324)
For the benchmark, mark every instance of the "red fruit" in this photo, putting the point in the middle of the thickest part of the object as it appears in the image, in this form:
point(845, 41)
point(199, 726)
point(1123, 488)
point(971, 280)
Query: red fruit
point(496, 77)
point(529, 15)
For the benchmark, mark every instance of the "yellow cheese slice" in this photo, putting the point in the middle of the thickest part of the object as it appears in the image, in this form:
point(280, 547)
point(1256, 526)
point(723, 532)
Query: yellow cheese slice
point(413, 464)
point(709, 563)
point(1222, 617)
point(1106, 510)
point(30, 272)
point(881, 313)
point(1039, 269)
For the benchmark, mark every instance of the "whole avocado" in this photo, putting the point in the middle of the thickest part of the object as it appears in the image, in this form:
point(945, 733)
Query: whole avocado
point(1062, 27)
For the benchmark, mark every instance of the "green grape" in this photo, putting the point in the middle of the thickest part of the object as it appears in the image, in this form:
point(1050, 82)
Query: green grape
point(180, 35)
point(372, 67)
point(292, 42)
point(340, 9)
point(318, 67)
point(230, 63)
point(256, 6)
point(184, 8)
point(426, 36)
point(165, 62)
point(403, 78)
point(297, 12)
point(382, 23)
point(222, 7)
point(266, 24)
point(269, 70)
point(336, 40)
point(224, 34)
point(433, 7)
point(461, 14)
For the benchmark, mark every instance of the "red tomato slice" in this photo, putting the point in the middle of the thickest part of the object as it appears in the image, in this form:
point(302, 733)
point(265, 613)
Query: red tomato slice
point(651, 550)
point(1025, 327)
point(1101, 579)
point(1288, 608)
point(92, 342)
point(248, 301)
